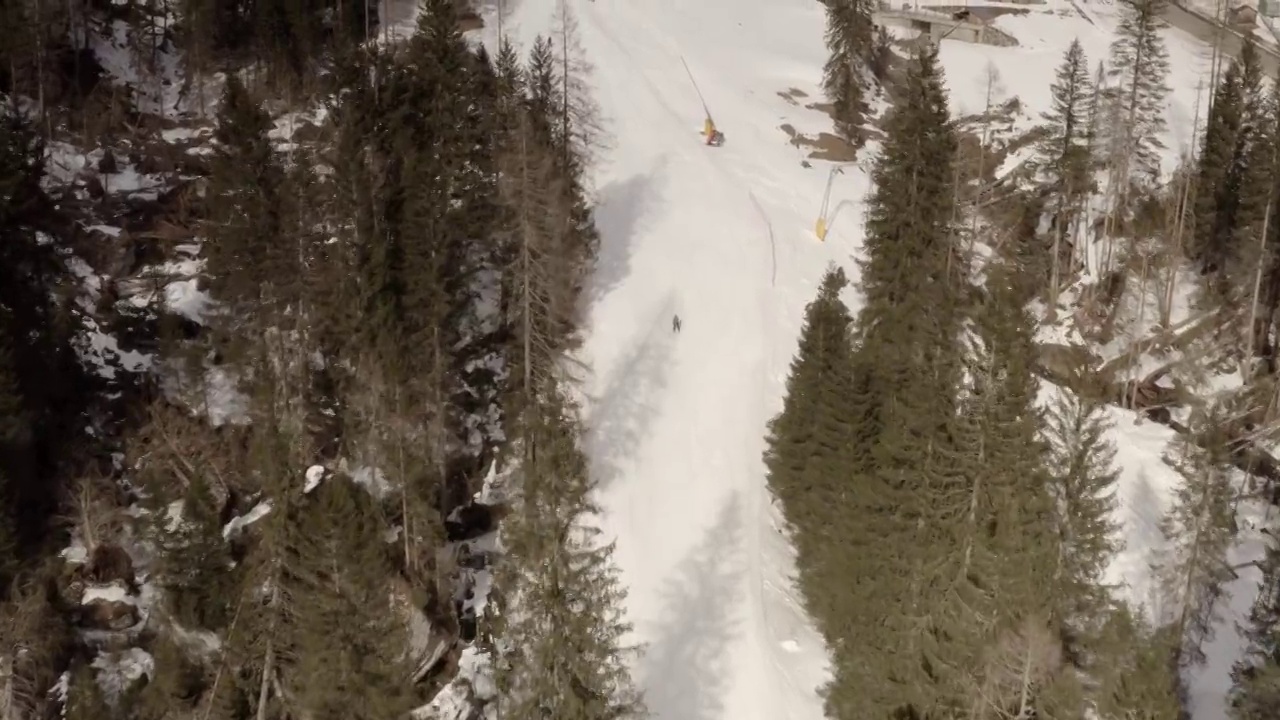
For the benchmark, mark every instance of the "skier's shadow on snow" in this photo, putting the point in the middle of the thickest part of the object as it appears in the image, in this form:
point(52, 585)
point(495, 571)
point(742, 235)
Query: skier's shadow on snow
point(620, 209)
point(684, 669)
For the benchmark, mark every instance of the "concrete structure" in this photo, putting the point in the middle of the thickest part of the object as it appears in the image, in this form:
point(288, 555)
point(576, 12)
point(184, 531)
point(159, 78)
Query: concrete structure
point(964, 26)
point(1207, 29)
point(1242, 17)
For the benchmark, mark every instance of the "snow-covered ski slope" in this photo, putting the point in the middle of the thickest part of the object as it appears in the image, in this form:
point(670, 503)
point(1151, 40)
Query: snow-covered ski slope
point(723, 237)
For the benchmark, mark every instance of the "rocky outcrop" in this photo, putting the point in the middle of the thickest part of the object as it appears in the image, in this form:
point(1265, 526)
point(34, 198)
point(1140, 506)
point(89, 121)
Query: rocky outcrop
point(111, 608)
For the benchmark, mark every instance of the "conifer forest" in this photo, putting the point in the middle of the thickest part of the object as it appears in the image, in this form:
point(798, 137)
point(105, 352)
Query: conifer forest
point(304, 306)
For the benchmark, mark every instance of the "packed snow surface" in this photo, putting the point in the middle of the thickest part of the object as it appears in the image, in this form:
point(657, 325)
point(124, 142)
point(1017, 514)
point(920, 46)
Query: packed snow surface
point(722, 237)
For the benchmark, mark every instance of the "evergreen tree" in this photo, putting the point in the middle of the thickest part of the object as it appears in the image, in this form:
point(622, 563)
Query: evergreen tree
point(1139, 68)
point(562, 120)
point(264, 648)
point(195, 566)
point(1065, 149)
point(564, 626)
point(1255, 691)
point(912, 171)
point(811, 428)
point(1233, 184)
point(35, 636)
point(542, 249)
point(808, 457)
point(1254, 164)
point(13, 433)
point(17, 48)
point(992, 601)
point(908, 482)
point(844, 77)
point(352, 656)
point(510, 86)
point(1136, 680)
point(1199, 528)
point(36, 332)
point(85, 700)
point(1011, 515)
point(1098, 110)
point(563, 629)
point(1083, 480)
point(1213, 195)
point(1269, 287)
point(9, 563)
point(250, 266)
point(172, 687)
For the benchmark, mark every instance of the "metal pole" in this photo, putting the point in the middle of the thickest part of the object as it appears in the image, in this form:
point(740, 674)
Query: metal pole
point(695, 86)
point(820, 227)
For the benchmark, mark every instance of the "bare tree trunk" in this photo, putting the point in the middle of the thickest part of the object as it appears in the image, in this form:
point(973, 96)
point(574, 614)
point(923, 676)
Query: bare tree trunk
point(269, 663)
point(977, 483)
point(564, 81)
point(1024, 703)
point(1180, 222)
point(1254, 345)
point(8, 701)
point(1174, 255)
point(526, 299)
point(993, 76)
point(40, 99)
point(438, 440)
point(410, 560)
point(1055, 268)
point(1142, 315)
point(955, 215)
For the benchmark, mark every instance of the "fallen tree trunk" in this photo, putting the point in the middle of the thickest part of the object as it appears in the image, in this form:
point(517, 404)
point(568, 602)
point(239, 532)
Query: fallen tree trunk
point(1071, 367)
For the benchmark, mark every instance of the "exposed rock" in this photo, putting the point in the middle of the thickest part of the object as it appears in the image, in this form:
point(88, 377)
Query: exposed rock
point(307, 132)
point(108, 607)
point(109, 563)
point(94, 186)
point(108, 165)
point(472, 520)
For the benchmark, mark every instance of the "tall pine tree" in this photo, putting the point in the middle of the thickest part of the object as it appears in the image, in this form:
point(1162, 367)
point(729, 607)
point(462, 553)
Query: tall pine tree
point(1066, 156)
point(1083, 481)
point(906, 444)
point(352, 656)
point(1200, 528)
point(250, 266)
point(808, 457)
point(1139, 70)
point(1233, 183)
point(844, 77)
point(1255, 691)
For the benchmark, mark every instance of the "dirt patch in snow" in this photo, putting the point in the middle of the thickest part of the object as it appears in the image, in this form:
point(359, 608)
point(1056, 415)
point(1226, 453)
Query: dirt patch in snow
point(793, 95)
point(825, 146)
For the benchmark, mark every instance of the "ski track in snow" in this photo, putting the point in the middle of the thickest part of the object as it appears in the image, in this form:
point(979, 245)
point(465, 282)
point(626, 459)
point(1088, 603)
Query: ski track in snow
point(724, 238)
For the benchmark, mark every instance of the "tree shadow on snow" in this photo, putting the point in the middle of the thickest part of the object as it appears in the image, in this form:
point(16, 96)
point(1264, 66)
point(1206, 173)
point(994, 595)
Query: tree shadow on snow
point(623, 411)
point(684, 666)
point(619, 210)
